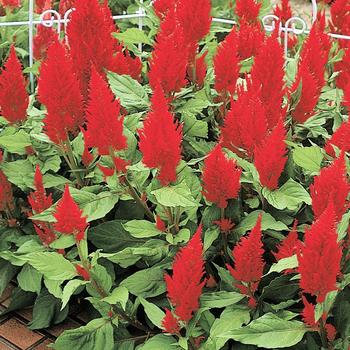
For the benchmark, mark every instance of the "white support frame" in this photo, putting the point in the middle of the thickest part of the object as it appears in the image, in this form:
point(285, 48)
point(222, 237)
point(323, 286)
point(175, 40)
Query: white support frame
point(292, 25)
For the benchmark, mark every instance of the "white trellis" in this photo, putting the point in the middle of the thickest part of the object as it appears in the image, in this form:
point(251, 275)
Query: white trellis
point(50, 18)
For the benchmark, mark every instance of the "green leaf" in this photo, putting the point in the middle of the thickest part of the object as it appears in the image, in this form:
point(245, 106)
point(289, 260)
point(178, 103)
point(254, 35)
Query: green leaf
point(20, 173)
point(219, 299)
point(69, 290)
point(7, 272)
point(146, 283)
point(100, 274)
point(194, 127)
point(15, 142)
point(159, 342)
point(119, 295)
point(268, 223)
point(97, 334)
point(270, 332)
point(309, 158)
point(289, 196)
point(175, 196)
point(133, 36)
point(284, 264)
point(52, 265)
point(63, 242)
point(141, 228)
point(131, 93)
point(29, 279)
point(153, 312)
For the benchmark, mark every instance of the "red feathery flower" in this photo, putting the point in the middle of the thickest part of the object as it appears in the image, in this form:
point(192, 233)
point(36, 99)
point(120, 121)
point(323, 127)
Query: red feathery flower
point(162, 7)
point(104, 124)
point(44, 38)
point(69, 217)
point(340, 139)
point(185, 285)
point(225, 225)
point(331, 185)
point(65, 5)
point(42, 5)
point(160, 224)
point(284, 11)
point(123, 63)
point(319, 260)
point(340, 15)
point(290, 246)
point(170, 323)
point(308, 314)
point(226, 64)
point(90, 39)
point(248, 10)
point(65, 113)
point(220, 178)
point(82, 272)
point(6, 196)
point(160, 139)
point(250, 38)
point(11, 4)
point(268, 76)
point(245, 125)
point(346, 98)
point(198, 71)
point(13, 95)
point(39, 201)
point(169, 59)
point(249, 263)
point(269, 157)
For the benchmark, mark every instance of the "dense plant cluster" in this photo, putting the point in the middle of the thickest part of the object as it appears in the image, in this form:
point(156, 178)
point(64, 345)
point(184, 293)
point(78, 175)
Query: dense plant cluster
point(192, 195)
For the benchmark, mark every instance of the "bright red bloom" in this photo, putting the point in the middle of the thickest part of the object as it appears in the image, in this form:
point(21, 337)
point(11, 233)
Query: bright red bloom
point(340, 15)
point(6, 196)
point(245, 125)
point(69, 219)
point(308, 314)
point(319, 261)
point(160, 224)
point(250, 38)
point(123, 63)
point(13, 95)
point(331, 331)
point(11, 4)
point(249, 263)
point(268, 76)
point(44, 38)
point(346, 98)
point(331, 185)
point(185, 285)
point(162, 7)
point(160, 139)
point(226, 64)
point(198, 71)
point(221, 178)
point(104, 124)
point(290, 246)
point(169, 59)
point(82, 272)
point(66, 5)
point(170, 323)
point(42, 5)
point(65, 113)
point(90, 39)
point(340, 139)
point(248, 10)
point(120, 165)
point(269, 157)
point(106, 171)
point(225, 225)
point(284, 11)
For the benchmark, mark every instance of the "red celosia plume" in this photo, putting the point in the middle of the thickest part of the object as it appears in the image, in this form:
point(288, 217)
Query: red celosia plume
point(82, 272)
point(248, 261)
point(44, 38)
point(331, 185)
point(170, 323)
point(226, 64)
point(10, 4)
point(104, 123)
point(160, 139)
point(270, 157)
point(221, 178)
point(13, 95)
point(197, 71)
point(69, 217)
point(248, 10)
point(6, 196)
point(162, 7)
point(185, 285)
point(319, 260)
point(245, 125)
point(340, 139)
point(283, 11)
point(65, 113)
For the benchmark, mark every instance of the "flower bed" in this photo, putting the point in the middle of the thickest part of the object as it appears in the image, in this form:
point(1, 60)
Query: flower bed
point(194, 195)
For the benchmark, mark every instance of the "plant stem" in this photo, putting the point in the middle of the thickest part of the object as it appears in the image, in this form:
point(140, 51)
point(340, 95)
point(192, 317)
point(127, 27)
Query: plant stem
point(323, 335)
point(138, 200)
point(224, 236)
point(72, 163)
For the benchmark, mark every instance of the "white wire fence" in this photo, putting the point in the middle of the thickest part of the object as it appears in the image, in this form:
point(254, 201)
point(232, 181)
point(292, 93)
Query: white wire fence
point(52, 18)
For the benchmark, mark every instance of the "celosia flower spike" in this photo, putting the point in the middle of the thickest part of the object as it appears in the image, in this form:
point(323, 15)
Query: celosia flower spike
point(69, 217)
point(248, 10)
point(13, 95)
point(160, 139)
point(331, 185)
point(104, 123)
point(170, 323)
point(319, 260)
point(185, 285)
point(6, 196)
point(248, 262)
point(221, 178)
point(270, 157)
point(340, 139)
point(44, 38)
point(11, 4)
